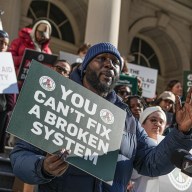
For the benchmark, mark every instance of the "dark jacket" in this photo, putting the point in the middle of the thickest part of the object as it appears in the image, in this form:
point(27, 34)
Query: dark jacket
point(137, 150)
point(7, 102)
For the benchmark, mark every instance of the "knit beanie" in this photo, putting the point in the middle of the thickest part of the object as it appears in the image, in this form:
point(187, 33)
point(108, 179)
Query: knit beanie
point(4, 34)
point(97, 49)
point(148, 111)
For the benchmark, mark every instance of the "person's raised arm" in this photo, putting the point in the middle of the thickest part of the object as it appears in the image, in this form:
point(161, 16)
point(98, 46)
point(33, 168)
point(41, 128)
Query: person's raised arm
point(184, 113)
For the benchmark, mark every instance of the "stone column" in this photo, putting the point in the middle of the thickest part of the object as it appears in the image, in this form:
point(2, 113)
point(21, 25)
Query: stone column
point(11, 16)
point(103, 19)
point(123, 44)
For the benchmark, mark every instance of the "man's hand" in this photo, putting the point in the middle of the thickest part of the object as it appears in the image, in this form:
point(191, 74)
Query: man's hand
point(184, 113)
point(55, 164)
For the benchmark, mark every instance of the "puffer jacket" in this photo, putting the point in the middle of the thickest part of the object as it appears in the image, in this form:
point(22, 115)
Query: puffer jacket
point(137, 151)
point(18, 46)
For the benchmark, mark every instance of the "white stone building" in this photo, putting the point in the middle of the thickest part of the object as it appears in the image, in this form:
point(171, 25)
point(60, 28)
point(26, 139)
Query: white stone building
point(153, 33)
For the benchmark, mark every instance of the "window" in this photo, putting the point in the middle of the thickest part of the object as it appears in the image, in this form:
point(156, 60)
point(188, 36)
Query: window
point(61, 27)
point(144, 54)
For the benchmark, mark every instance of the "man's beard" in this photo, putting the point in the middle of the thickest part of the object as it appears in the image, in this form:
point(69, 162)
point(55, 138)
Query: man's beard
point(95, 82)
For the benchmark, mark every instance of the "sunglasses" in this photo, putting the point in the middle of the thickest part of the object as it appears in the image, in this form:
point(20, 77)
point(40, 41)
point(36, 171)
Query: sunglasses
point(62, 70)
point(154, 121)
point(124, 93)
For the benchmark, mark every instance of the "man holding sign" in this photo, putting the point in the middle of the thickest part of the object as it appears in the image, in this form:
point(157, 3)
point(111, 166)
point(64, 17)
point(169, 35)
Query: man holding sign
point(99, 73)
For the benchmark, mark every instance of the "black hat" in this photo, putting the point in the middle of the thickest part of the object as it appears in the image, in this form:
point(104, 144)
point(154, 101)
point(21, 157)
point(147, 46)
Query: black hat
point(4, 34)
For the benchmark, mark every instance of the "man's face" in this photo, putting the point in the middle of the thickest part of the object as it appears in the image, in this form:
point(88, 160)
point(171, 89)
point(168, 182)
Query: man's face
point(4, 42)
point(63, 68)
point(42, 33)
point(124, 91)
point(102, 73)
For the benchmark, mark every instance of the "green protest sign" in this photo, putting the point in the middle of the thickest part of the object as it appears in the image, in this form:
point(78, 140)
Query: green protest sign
point(44, 58)
point(187, 82)
point(130, 81)
point(54, 113)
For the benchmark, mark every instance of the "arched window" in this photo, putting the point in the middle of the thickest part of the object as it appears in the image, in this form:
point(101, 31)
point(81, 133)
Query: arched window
point(61, 27)
point(144, 54)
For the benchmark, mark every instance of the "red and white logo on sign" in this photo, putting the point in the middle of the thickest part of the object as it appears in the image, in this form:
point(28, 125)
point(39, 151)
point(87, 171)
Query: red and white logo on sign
point(47, 83)
point(107, 116)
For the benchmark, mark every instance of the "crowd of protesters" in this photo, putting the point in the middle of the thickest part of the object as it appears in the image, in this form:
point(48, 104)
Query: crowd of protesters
point(102, 56)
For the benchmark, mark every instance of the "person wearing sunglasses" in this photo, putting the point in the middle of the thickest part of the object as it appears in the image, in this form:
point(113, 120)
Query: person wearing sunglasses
point(123, 91)
point(62, 67)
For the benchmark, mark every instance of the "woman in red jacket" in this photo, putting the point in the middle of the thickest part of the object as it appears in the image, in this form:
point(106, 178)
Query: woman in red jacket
point(36, 38)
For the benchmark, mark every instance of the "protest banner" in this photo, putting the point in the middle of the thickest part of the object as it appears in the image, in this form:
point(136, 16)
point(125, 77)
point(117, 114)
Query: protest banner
point(44, 58)
point(69, 57)
point(8, 77)
point(130, 81)
point(54, 113)
point(187, 82)
point(148, 76)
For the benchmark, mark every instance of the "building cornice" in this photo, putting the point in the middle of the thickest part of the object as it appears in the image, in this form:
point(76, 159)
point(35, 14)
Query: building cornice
point(173, 8)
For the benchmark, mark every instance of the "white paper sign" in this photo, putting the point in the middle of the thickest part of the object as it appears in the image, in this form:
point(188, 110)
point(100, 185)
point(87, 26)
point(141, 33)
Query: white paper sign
point(148, 76)
point(8, 80)
point(71, 58)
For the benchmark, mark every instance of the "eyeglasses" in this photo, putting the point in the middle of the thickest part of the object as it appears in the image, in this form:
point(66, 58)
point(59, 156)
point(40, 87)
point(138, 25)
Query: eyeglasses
point(154, 121)
point(62, 70)
point(105, 58)
point(124, 93)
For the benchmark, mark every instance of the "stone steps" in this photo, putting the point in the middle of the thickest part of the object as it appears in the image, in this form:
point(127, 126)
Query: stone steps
point(5, 190)
point(8, 181)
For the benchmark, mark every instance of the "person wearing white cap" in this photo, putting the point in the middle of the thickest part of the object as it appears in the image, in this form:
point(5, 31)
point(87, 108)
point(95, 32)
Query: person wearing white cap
point(153, 120)
point(166, 101)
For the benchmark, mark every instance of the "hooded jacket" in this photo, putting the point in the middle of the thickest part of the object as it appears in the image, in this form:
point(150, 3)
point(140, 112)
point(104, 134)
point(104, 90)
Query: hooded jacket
point(137, 151)
point(26, 39)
